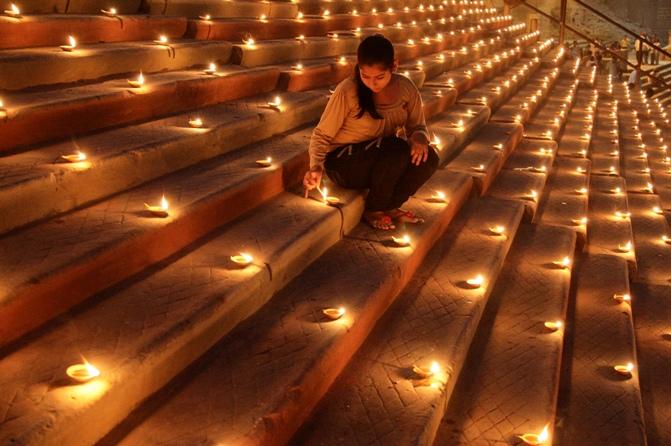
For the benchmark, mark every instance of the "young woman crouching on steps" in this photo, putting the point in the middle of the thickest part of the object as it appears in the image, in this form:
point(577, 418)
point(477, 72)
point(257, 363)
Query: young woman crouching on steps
point(356, 140)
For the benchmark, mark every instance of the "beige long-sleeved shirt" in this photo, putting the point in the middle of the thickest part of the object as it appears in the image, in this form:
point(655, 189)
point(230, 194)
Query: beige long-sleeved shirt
point(339, 124)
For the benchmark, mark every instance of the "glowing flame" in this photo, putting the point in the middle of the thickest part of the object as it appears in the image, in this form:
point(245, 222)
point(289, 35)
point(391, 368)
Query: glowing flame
point(14, 10)
point(435, 368)
point(72, 42)
point(140, 79)
point(543, 437)
point(439, 195)
point(212, 67)
point(477, 281)
point(164, 203)
point(163, 38)
point(81, 156)
point(249, 41)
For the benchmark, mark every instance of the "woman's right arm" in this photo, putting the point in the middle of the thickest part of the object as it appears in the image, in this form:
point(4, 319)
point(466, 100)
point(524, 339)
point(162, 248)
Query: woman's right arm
point(331, 122)
point(329, 125)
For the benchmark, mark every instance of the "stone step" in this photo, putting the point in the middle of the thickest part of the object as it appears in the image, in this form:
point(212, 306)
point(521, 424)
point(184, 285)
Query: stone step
point(142, 334)
point(150, 150)
point(235, 29)
point(48, 116)
point(577, 135)
point(103, 236)
point(53, 29)
point(318, 73)
point(652, 314)
point(524, 175)
point(452, 137)
point(60, 113)
point(319, 6)
point(514, 363)
point(235, 8)
point(270, 52)
point(27, 68)
point(609, 228)
point(483, 158)
point(653, 254)
point(467, 77)
point(549, 121)
point(598, 406)
point(565, 201)
point(379, 400)
point(88, 250)
point(295, 353)
point(75, 6)
point(530, 99)
point(126, 157)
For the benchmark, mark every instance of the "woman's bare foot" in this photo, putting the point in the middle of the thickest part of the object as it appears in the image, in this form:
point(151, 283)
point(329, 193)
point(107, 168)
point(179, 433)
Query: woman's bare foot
point(403, 216)
point(379, 220)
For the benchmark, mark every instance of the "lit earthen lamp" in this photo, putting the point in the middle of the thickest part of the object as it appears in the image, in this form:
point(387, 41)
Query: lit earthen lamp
point(439, 196)
point(242, 259)
point(162, 40)
point(334, 313)
point(535, 439)
point(553, 325)
point(328, 199)
point(266, 162)
point(211, 69)
point(497, 230)
point(82, 372)
point(426, 372)
point(475, 282)
point(624, 370)
point(75, 158)
point(13, 11)
point(402, 241)
point(137, 83)
point(72, 44)
point(276, 103)
point(564, 263)
point(195, 122)
point(112, 12)
point(161, 210)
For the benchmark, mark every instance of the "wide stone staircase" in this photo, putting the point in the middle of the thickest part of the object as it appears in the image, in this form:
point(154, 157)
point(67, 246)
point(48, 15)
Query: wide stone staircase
point(154, 234)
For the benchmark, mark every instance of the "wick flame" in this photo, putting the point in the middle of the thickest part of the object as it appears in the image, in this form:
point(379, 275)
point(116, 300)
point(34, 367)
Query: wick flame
point(543, 437)
point(164, 203)
point(73, 41)
point(435, 368)
point(81, 156)
point(15, 9)
point(140, 79)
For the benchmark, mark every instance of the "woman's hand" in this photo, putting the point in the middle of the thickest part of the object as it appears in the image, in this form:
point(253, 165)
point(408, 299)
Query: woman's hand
point(312, 178)
point(419, 152)
point(419, 148)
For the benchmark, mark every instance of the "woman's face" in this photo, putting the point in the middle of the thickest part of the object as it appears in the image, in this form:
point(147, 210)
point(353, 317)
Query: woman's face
point(375, 76)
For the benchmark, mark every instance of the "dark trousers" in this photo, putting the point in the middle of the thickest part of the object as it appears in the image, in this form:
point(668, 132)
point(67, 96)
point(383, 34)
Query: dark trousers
point(384, 167)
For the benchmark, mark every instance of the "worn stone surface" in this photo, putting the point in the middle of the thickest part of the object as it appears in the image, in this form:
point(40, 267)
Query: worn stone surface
point(513, 368)
point(378, 401)
point(263, 380)
point(125, 157)
point(601, 335)
point(143, 334)
point(67, 256)
point(33, 67)
point(53, 29)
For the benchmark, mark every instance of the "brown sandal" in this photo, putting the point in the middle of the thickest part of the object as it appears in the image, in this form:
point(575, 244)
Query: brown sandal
point(404, 216)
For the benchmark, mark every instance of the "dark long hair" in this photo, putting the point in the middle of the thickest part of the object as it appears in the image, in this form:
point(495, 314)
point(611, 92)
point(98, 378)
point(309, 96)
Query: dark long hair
point(373, 50)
